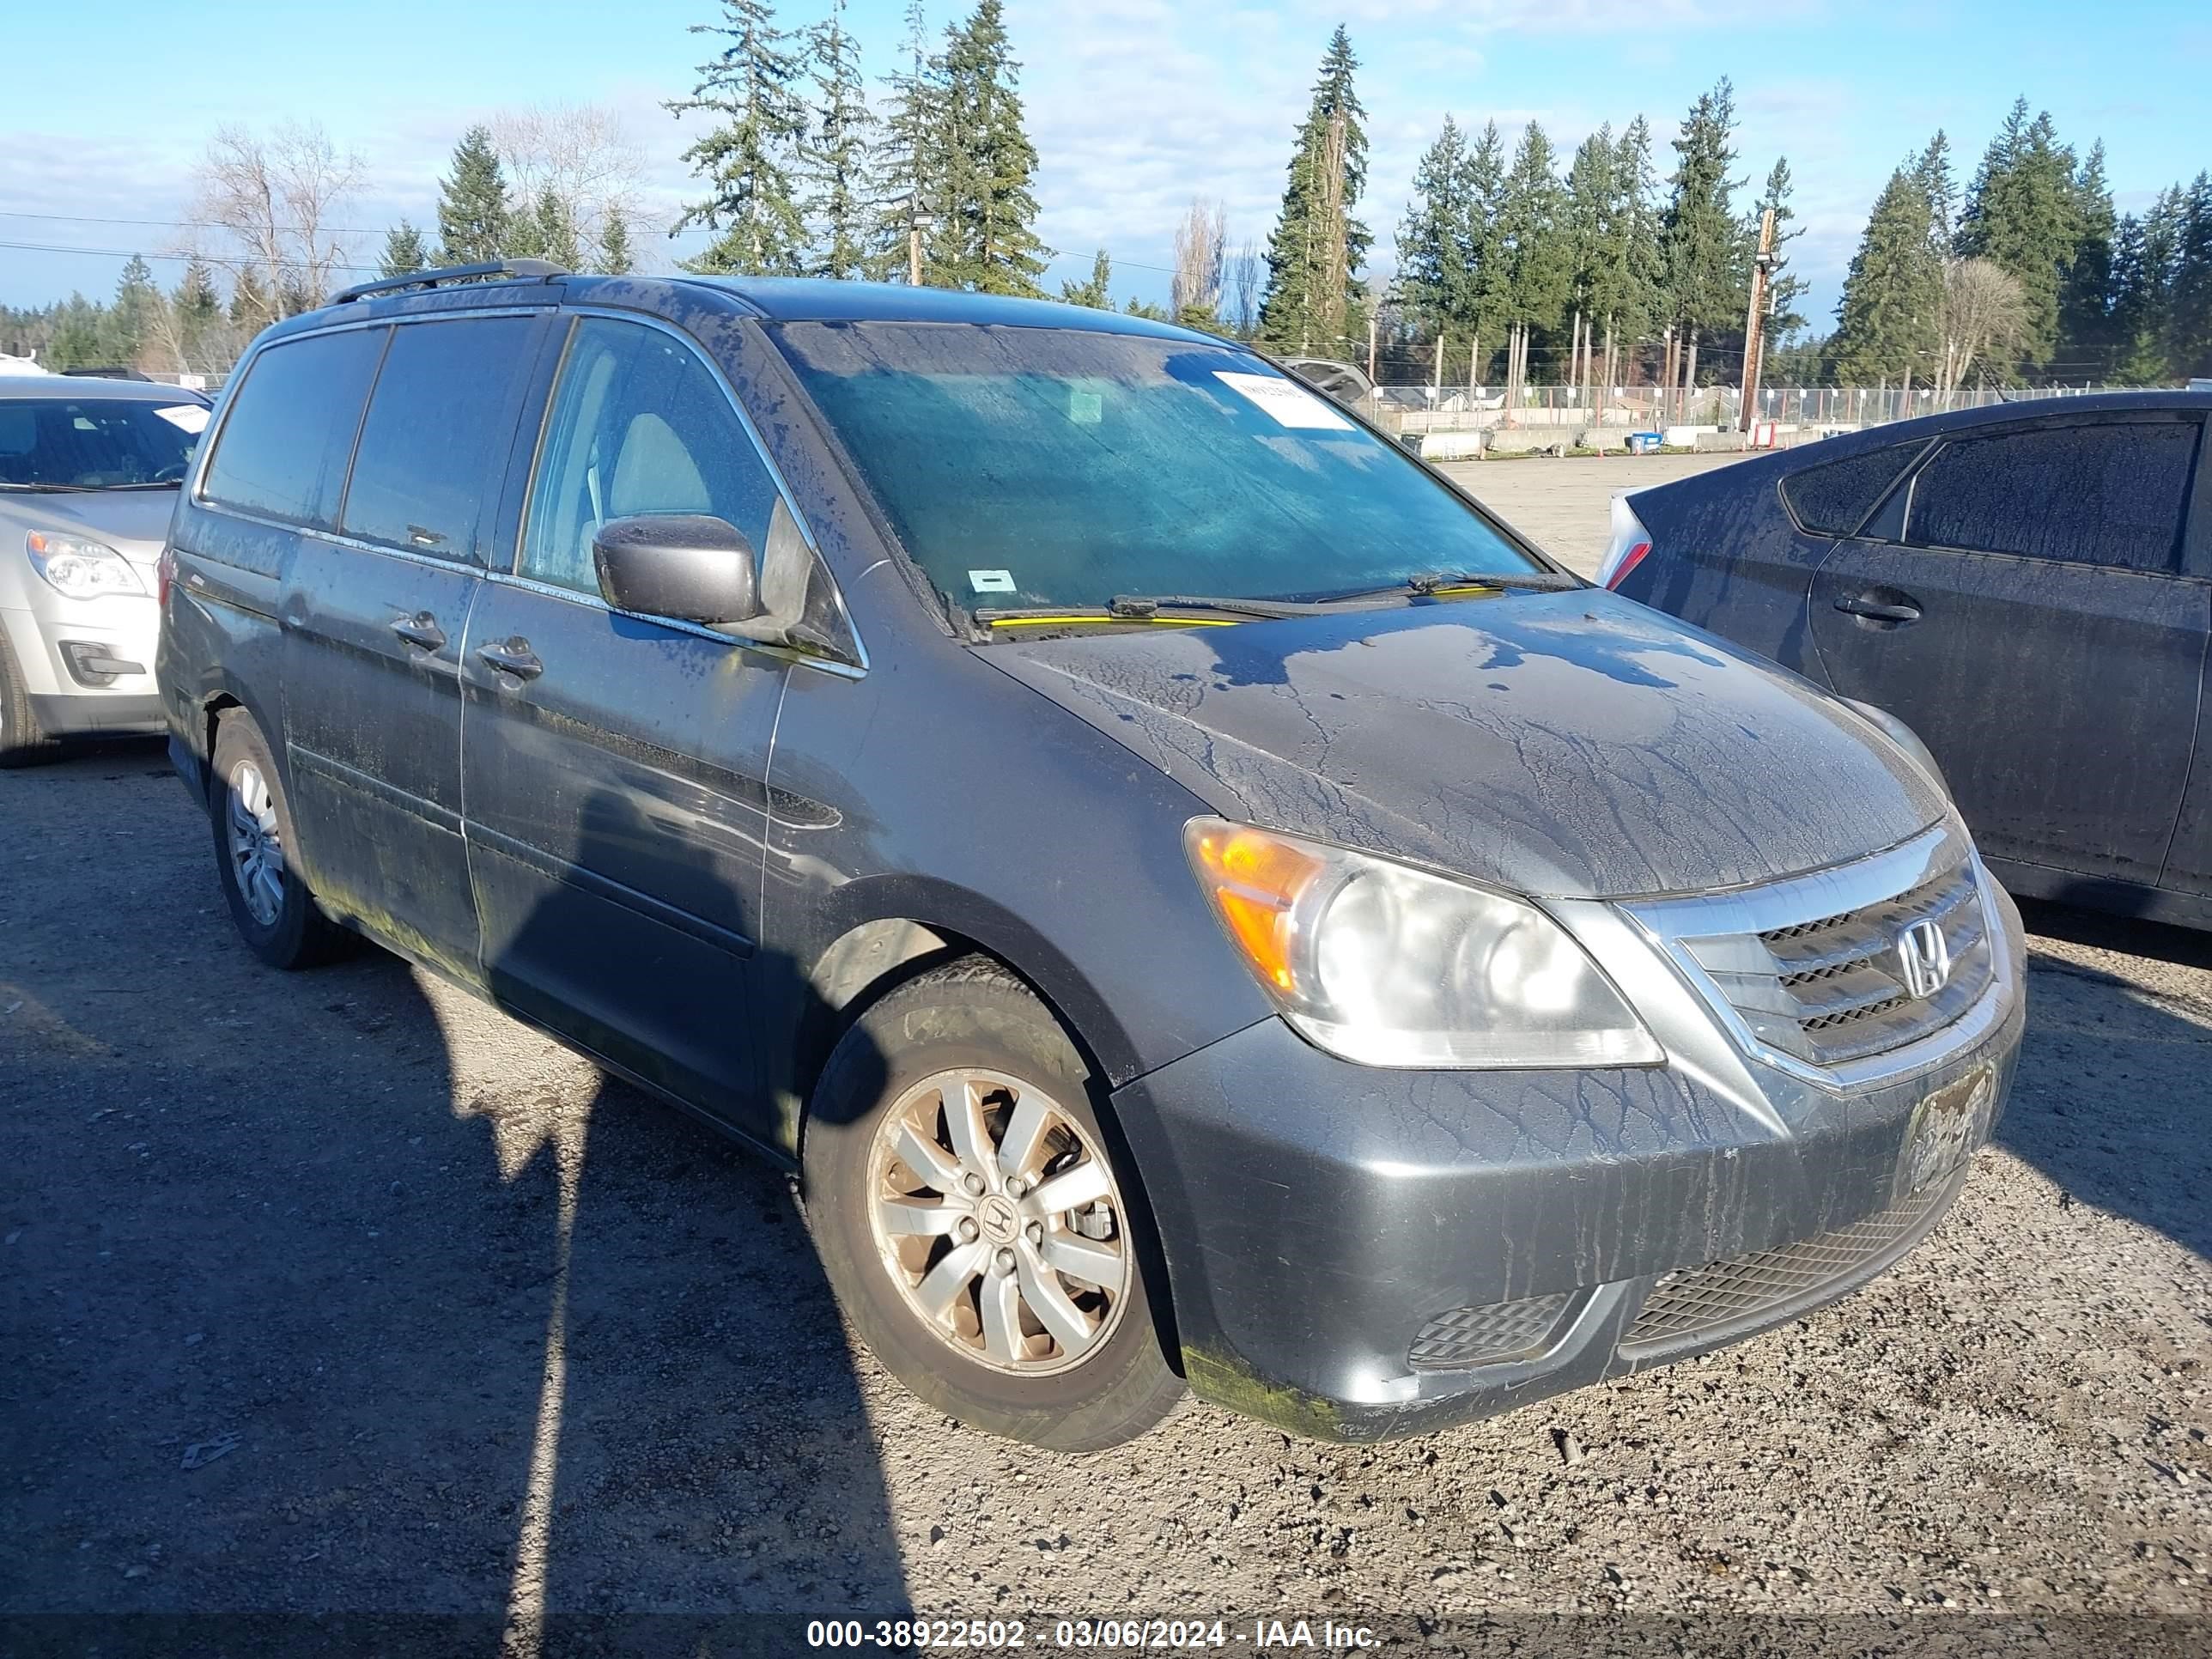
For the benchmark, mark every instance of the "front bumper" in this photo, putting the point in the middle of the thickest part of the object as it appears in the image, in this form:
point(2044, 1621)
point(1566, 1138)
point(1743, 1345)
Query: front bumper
point(1319, 1218)
point(59, 642)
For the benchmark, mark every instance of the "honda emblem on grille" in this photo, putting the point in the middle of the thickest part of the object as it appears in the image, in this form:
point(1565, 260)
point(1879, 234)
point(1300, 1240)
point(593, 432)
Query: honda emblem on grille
point(1925, 956)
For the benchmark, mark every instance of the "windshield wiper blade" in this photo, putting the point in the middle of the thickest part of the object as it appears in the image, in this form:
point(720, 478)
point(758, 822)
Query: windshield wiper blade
point(50, 489)
point(1534, 581)
point(1145, 607)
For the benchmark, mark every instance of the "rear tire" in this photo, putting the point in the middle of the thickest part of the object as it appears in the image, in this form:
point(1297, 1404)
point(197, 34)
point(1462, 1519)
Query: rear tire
point(946, 1240)
point(23, 741)
point(275, 913)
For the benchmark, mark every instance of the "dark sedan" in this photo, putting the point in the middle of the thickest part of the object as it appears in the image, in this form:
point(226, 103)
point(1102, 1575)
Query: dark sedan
point(2028, 586)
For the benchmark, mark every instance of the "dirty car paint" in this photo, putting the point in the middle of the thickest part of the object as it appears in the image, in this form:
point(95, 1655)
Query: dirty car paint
point(1568, 744)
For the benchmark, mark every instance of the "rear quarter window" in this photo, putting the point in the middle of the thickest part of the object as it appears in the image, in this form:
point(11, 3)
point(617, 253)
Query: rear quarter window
point(2105, 492)
point(1836, 497)
point(283, 447)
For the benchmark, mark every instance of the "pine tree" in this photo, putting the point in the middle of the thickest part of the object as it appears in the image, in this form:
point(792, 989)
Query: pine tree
point(1784, 287)
point(2145, 252)
point(1937, 178)
point(473, 206)
point(833, 164)
point(555, 232)
point(127, 323)
point(2188, 317)
point(1435, 279)
point(1489, 299)
point(1889, 321)
point(2022, 212)
point(1592, 203)
point(1098, 292)
point(983, 238)
point(908, 173)
point(1638, 251)
point(2085, 296)
point(403, 252)
point(746, 160)
point(1314, 292)
point(250, 308)
point(1707, 258)
point(1536, 250)
point(197, 304)
point(615, 258)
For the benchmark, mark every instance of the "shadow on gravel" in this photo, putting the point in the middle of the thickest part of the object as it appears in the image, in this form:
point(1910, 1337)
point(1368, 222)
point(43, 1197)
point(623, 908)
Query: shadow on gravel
point(2112, 1100)
point(308, 1309)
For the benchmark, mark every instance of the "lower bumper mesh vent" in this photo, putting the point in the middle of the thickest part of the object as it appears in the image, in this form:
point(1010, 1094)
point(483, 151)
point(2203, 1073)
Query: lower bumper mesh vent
point(1488, 1335)
point(1692, 1303)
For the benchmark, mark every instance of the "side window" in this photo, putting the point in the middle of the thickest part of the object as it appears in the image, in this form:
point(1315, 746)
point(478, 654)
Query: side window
point(1834, 498)
point(2106, 492)
point(441, 424)
point(637, 423)
point(283, 447)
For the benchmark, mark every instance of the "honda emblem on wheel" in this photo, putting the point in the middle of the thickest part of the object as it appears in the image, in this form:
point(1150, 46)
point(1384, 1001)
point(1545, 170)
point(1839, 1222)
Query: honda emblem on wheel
point(1925, 957)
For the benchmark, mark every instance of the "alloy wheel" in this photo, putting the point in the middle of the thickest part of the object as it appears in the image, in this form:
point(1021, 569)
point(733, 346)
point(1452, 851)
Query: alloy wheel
point(257, 846)
point(998, 1218)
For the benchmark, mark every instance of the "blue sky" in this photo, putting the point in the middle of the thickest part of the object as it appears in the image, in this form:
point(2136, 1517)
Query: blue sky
point(1136, 106)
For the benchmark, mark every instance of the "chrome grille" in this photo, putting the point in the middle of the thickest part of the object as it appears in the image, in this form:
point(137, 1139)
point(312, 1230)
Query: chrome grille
point(1484, 1336)
point(1828, 986)
point(1694, 1302)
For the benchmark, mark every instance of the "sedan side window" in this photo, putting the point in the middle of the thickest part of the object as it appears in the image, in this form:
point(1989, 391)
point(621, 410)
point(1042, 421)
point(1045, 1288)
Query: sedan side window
point(637, 424)
point(2105, 492)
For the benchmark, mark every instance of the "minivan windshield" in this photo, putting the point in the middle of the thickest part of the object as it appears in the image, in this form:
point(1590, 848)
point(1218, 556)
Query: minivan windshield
point(97, 443)
point(1025, 467)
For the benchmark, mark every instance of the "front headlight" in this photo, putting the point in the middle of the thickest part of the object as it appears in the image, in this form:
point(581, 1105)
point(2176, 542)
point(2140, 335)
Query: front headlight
point(1387, 965)
point(81, 570)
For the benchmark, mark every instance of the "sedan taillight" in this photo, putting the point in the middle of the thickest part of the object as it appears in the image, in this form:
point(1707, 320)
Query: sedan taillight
point(1631, 543)
point(164, 572)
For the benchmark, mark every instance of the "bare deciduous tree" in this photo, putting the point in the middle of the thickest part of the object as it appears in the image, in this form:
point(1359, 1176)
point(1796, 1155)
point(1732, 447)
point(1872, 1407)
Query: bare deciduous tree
point(1243, 291)
point(1984, 310)
point(264, 205)
point(583, 153)
point(1200, 242)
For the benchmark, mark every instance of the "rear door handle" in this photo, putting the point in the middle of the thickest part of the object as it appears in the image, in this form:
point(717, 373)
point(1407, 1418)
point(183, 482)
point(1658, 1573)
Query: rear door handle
point(421, 629)
point(1879, 611)
point(511, 657)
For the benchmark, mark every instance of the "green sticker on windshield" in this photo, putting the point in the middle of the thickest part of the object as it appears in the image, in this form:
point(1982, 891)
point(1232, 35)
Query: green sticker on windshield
point(1085, 408)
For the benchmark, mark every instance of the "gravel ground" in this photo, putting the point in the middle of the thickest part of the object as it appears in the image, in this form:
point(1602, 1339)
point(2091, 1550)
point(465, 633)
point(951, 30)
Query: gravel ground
point(338, 1291)
point(1562, 502)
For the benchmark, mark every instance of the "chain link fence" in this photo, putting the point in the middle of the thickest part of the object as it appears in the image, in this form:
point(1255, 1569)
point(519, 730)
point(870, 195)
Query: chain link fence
point(1544, 415)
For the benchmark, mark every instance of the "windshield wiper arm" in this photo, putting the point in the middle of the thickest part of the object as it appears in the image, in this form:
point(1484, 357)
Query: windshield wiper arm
point(50, 489)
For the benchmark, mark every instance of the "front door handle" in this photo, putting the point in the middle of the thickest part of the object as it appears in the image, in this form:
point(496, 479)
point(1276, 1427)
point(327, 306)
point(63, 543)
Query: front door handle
point(1878, 610)
point(511, 657)
point(421, 629)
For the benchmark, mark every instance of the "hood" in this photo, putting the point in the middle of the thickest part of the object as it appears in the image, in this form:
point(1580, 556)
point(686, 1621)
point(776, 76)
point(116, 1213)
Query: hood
point(134, 522)
point(1567, 745)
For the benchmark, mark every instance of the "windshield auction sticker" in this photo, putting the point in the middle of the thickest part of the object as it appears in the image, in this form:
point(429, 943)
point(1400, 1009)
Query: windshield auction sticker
point(1285, 402)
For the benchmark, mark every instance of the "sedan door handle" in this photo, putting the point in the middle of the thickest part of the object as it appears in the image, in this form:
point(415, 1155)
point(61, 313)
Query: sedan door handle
point(421, 629)
point(511, 657)
point(1879, 611)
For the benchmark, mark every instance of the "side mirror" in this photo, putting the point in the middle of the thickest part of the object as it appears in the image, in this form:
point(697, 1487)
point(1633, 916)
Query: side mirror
point(685, 566)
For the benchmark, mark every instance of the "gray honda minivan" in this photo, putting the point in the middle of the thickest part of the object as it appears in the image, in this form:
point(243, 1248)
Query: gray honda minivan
point(1198, 900)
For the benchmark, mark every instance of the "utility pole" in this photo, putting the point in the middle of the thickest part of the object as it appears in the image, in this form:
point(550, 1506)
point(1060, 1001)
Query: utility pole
point(1370, 348)
point(1436, 380)
point(1754, 322)
point(916, 223)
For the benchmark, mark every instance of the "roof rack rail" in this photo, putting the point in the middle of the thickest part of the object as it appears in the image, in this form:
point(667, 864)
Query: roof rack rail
point(535, 269)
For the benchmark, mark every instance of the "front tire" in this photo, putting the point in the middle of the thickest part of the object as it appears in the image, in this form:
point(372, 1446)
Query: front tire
point(972, 1220)
point(23, 741)
point(275, 913)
